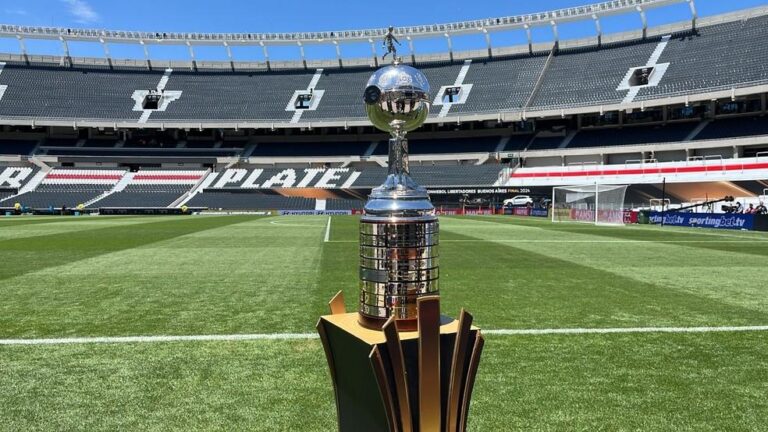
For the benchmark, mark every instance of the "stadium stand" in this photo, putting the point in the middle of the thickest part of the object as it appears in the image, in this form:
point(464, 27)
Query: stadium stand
point(344, 204)
point(437, 146)
point(734, 127)
point(546, 142)
point(722, 55)
point(152, 188)
point(139, 152)
point(500, 84)
point(712, 57)
point(557, 105)
point(144, 195)
point(673, 132)
point(459, 175)
point(70, 188)
point(311, 149)
point(590, 76)
point(88, 92)
point(17, 147)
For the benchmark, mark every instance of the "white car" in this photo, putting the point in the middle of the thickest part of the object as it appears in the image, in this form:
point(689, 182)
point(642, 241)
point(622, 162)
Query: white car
point(519, 200)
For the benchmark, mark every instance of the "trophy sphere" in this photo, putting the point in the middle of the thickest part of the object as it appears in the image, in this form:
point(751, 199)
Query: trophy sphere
point(397, 98)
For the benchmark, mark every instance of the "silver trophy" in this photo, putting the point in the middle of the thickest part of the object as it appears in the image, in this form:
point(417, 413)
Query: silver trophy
point(399, 229)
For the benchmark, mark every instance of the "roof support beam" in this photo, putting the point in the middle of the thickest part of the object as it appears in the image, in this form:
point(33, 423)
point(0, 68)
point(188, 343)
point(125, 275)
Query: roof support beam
point(530, 38)
point(303, 54)
point(192, 56)
point(643, 19)
point(107, 56)
point(555, 33)
point(488, 42)
point(338, 52)
point(146, 54)
point(450, 45)
point(598, 29)
point(265, 50)
point(66, 60)
point(229, 56)
point(23, 49)
point(694, 14)
point(373, 53)
point(410, 47)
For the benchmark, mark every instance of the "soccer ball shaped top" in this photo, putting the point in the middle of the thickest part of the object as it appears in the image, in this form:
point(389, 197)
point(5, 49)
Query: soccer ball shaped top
point(397, 98)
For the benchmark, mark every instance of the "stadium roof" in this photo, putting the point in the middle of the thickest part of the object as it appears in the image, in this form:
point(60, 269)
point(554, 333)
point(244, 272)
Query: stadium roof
point(485, 26)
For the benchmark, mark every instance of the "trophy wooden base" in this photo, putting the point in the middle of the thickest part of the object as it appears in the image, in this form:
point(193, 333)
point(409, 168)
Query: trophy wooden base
point(390, 380)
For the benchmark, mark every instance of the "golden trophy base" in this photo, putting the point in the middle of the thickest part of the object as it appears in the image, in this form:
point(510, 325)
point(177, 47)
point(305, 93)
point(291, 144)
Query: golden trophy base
point(390, 380)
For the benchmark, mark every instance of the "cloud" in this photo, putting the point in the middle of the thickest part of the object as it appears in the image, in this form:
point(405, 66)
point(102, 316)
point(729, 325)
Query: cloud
point(82, 11)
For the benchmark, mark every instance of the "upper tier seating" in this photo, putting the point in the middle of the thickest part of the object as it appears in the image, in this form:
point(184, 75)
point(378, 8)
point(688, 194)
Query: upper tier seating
point(56, 92)
point(724, 55)
point(590, 76)
point(715, 57)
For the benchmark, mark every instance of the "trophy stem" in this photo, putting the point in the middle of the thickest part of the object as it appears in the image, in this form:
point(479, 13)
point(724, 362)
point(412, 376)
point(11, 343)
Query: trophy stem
point(398, 151)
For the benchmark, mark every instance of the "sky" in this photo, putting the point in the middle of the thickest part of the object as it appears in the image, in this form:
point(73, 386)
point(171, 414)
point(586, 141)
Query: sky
point(259, 16)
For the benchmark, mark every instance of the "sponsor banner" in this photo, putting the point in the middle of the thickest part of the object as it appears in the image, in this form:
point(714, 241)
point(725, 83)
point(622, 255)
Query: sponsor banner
point(313, 212)
point(630, 217)
point(705, 220)
point(526, 211)
point(583, 215)
point(588, 215)
point(237, 212)
point(459, 191)
point(465, 212)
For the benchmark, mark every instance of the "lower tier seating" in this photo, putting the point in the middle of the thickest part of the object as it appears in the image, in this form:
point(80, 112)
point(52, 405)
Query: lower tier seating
point(58, 195)
point(344, 204)
point(144, 195)
point(249, 201)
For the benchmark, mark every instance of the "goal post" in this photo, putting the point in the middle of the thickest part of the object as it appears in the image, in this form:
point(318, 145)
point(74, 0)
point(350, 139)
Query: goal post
point(594, 203)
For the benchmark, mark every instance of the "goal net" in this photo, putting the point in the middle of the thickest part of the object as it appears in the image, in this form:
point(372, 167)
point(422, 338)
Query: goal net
point(595, 203)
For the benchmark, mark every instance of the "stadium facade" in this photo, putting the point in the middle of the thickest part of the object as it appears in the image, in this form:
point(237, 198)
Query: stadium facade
point(682, 104)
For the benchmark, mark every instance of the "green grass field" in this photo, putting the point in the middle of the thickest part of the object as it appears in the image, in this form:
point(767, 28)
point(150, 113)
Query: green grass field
point(204, 275)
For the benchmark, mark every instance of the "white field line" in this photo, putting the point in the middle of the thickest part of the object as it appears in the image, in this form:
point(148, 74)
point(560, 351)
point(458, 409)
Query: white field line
point(512, 332)
point(146, 339)
point(579, 241)
point(328, 231)
point(305, 336)
point(274, 222)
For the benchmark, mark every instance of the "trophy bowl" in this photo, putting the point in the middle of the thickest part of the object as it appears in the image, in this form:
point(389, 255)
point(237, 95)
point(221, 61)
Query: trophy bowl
point(397, 98)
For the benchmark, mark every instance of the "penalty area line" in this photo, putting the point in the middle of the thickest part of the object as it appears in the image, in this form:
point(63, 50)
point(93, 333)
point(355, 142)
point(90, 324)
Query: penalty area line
point(513, 332)
point(306, 336)
point(328, 231)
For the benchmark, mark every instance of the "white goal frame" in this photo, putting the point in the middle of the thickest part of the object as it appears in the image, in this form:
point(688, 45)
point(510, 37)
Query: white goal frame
point(597, 211)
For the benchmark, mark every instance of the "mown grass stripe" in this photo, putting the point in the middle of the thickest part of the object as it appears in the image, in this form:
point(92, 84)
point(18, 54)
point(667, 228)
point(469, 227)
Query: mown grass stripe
point(28, 254)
